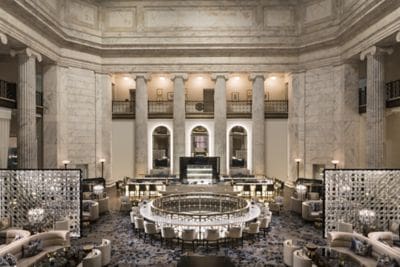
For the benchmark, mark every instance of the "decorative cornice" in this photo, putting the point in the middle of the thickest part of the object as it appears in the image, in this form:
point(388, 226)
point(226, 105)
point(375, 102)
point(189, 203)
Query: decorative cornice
point(215, 76)
point(374, 50)
point(28, 52)
point(398, 37)
point(253, 76)
point(3, 38)
point(184, 76)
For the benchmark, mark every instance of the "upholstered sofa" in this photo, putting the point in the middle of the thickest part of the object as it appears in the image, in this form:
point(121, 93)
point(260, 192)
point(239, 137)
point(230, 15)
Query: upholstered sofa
point(386, 239)
point(93, 259)
point(11, 234)
point(52, 241)
point(311, 210)
point(90, 210)
point(288, 249)
point(341, 241)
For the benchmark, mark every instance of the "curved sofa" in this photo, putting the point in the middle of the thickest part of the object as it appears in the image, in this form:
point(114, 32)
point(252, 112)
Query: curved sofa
point(9, 235)
point(52, 241)
point(386, 240)
point(341, 241)
point(93, 213)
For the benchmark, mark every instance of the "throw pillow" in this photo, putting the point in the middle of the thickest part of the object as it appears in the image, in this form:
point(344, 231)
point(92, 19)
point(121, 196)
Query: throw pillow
point(17, 237)
point(86, 206)
point(360, 247)
point(11, 259)
point(394, 228)
point(33, 248)
point(317, 206)
point(386, 261)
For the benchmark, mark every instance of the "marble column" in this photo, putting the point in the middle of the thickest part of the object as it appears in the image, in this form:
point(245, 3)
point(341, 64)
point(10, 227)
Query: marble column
point(26, 100)
point(220, 119)
point(141, 117)
point(103, 126)
point(296, 124)
point(179, 120)
point(376, 103)
point(258, 120)
point(5, 119)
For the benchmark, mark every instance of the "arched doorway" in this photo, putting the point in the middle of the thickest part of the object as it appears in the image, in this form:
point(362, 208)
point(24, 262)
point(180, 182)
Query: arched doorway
point(199, 137)
point(238, 147)
point(161, 147)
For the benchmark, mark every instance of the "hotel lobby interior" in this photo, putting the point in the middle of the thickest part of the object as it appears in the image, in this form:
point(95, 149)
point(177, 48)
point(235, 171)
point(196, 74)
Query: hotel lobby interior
point(199, 133)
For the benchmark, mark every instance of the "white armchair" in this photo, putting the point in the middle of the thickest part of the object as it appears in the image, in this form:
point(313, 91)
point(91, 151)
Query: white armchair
point(93, 259)
point(288, 249)
point(253, 229)
point(311, 210)
point(300, 259)
point(105, 249)
point(264, 224)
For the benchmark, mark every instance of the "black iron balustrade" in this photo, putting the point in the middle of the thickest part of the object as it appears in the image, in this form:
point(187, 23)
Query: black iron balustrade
point(8, 94)
point(160, 109)
point(123, 109)
point(238, 109)
point(276, 108)
point(199, 109)
point(392, 96)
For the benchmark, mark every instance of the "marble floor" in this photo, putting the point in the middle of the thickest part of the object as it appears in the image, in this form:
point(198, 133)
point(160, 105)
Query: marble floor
point(129, 250)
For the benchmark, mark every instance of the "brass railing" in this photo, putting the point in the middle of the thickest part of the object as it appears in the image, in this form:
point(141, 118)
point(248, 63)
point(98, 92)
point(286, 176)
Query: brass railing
point(276, 108)
point(160, 108)
point(123, 109)
point(238, 109)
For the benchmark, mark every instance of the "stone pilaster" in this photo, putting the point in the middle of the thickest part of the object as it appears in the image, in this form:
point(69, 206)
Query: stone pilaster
point(220, 119)
point(5, 118)
point(375, 141)
point(179, 120)
point(26, 99)
point(103, 125)
point(258, 120)
point(141, 116)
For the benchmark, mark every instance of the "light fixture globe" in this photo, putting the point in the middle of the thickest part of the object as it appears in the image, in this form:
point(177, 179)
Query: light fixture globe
point(98, 189)
point(35, 216)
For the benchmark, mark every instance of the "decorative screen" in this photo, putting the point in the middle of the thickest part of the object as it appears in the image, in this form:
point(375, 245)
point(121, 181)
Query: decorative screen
point(57, 192)
point(349, 191)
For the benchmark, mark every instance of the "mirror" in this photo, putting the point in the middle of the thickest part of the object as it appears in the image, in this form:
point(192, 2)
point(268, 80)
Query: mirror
point(238, 147)
point(199, 141)
point(161, 148)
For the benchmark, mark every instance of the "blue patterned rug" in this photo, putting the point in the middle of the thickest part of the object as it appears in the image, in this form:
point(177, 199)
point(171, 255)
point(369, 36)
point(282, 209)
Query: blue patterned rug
point(129, 250)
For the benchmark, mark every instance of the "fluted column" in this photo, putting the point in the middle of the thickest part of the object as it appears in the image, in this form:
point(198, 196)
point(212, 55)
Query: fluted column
point(296, 136)
point(220, 119)
point(258, 120)
point(376, 100)
point(141, 115)
point(5, 118)
point(26, 99)
point(179, 120)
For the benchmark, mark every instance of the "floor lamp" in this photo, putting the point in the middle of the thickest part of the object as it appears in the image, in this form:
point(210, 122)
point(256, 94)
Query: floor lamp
point(102, 167)
point(298, 167)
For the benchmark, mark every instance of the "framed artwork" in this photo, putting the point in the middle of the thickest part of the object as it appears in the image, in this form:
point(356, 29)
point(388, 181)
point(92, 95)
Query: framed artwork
point(235, 96)
point(249, 94)
point(170, 95)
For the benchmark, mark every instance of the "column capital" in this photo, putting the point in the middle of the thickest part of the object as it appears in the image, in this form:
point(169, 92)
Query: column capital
point(253, 76)
point(214, 76)
point(374, 50)
point(145, 76)
point(184, 76)
point(398, 37)
point(3, 38)
point(28, 52)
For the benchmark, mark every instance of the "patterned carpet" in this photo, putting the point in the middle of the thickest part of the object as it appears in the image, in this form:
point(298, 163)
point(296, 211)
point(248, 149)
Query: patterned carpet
point(129, 250)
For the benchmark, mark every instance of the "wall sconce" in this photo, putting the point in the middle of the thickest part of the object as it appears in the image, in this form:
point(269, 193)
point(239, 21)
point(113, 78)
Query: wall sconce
point(335, 162)
point(298, 166)
point(66, 162)
point(102, 167)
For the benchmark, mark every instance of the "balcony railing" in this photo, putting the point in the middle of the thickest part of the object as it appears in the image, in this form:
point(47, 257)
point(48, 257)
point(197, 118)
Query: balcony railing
point(161, 109)
point(123, 109)
point(276, 108)
point(238, 109)
point(392, 96)
point(8, 94)
point(199, 109)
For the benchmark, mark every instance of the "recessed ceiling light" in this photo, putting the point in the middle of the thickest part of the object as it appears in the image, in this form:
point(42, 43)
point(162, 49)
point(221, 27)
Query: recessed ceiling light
point(236, 78)
point(273, 77)
point(162, 78)
point(126, 78)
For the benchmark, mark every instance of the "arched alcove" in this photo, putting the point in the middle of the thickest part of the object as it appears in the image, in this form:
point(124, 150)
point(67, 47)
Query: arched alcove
point(161, 147)
point(199, 141)
point(238, 147)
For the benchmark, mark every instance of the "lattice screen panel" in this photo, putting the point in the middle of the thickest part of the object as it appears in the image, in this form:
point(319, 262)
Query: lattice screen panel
point(348, 191)
point(56, 191)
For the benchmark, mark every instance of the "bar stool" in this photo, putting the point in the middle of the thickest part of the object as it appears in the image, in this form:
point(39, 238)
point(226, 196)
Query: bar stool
point(151, 230)
point(235, 234)
point(259, 189)
point(246, 189)
point(168, 234)
point(253, 229)
point(139, 224)
point(153, 190)
point(212, 235)
point(142, 190)
point(188, 236)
